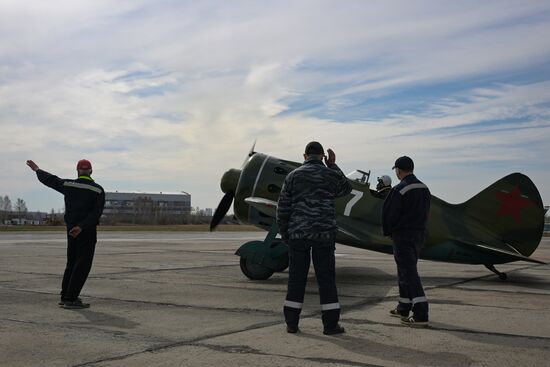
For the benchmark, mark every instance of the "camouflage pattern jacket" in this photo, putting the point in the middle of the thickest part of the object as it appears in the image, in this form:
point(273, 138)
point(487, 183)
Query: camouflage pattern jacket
point(306, 202)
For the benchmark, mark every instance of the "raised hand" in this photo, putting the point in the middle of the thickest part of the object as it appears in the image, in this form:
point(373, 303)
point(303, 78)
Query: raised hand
point(331, 157)
point(32, 165)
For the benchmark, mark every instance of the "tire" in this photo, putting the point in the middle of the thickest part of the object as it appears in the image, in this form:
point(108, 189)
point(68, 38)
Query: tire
point(254, 271)
point(282, 263)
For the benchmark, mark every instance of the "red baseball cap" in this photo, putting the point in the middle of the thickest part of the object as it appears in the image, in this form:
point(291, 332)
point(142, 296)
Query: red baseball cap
point(83, 164)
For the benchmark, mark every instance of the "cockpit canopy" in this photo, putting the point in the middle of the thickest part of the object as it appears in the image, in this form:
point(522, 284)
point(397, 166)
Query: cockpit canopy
point(359, 176)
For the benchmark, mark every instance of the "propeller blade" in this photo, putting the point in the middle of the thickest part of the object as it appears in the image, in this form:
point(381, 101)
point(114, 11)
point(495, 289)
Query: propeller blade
point(222, 209)
point(250, 153)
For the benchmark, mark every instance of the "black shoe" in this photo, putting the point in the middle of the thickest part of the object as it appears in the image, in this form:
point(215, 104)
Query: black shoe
point(292, 329)
point(401, 314)
point(63, 300)
point(335, 330)
point(75, 305)
point(414, 322)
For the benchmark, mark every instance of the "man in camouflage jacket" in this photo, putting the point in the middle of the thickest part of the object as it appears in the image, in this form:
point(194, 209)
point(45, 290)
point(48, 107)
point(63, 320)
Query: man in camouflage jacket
point(307, 222)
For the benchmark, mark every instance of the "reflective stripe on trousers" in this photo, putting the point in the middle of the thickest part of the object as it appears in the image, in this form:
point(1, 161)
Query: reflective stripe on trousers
point(301, 251)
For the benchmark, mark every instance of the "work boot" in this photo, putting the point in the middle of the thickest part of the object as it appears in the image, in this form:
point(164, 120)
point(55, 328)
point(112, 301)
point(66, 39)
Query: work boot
point(334, 330)
point(414, 322)
point(76, 304)
point(63, 300)
point(292, 329)
point(396, 313)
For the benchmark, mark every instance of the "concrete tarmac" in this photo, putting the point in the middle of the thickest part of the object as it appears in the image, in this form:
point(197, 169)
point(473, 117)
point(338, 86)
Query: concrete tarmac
point(180, 299)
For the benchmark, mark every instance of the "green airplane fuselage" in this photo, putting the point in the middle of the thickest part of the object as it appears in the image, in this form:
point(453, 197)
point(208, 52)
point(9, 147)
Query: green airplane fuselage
point(499, 225)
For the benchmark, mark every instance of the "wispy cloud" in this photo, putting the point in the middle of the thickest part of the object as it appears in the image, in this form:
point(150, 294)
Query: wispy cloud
point(166, 95)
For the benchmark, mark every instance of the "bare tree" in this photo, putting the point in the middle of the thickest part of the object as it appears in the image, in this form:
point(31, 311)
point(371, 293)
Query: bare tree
point(20, 207)
point(6, 204)
point(5, 208)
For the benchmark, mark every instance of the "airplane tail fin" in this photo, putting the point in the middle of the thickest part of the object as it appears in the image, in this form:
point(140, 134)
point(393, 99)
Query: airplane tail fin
point(511, 209)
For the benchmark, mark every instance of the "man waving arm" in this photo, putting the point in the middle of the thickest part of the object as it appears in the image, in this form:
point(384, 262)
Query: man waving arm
point(343, 187)
point(46, 178)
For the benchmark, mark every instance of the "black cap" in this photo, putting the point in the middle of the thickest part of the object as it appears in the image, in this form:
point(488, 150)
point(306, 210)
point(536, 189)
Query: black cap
point(405, 163)
point(314, 148)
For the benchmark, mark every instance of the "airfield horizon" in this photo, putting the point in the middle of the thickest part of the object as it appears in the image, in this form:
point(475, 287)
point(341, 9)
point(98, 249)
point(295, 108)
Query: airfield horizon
point(138, 228)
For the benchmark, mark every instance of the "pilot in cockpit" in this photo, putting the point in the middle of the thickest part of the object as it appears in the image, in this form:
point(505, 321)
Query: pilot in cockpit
point(383, 186)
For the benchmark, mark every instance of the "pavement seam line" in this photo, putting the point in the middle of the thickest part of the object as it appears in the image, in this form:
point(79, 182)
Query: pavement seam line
point(431, 327)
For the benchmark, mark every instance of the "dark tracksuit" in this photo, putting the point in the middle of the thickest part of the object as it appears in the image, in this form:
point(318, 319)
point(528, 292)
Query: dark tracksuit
point(84, 202)
point(382, 193)
point(307, 222)
point(404, 218)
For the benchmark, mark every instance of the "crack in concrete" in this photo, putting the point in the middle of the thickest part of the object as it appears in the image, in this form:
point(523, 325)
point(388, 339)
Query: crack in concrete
point(29, 273)
point(240, 349)
point(457, 330)
point(501, 291)
point(178, 344)
point(490, 275)
point(249, 350)
point(281, 291)
point(198, 307)
point(80, 326)
point(243, 349)
point(145, 271)
point(460, 303)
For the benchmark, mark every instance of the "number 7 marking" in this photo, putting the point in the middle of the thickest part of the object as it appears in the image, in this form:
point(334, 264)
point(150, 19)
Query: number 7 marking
point(357, 195)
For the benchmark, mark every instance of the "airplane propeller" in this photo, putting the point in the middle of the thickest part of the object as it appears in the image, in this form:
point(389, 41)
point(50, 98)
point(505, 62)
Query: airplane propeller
point(250, 154)
point(228, 185)
point(222, 209)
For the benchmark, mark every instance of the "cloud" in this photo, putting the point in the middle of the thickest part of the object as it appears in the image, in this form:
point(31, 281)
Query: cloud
point(167, 95)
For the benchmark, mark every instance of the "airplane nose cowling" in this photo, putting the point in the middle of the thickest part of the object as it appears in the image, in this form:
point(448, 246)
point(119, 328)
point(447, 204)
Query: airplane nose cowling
point(230, 179)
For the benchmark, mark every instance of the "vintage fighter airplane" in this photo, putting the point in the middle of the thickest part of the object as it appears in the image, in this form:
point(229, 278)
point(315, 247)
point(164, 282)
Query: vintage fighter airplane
point(501, 224)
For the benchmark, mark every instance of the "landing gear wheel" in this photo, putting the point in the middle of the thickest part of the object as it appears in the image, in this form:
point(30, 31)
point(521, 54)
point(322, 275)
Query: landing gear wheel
point(254, 271)
point(501, 276)
point(282, 262)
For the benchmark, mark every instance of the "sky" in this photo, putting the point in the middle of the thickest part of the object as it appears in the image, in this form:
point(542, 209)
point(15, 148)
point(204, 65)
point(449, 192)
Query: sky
point(167, 95)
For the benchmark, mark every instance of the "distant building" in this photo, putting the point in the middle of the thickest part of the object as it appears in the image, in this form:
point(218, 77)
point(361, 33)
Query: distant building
point(22, 221)
point(26, 218)
point(198, 212)
point(147, 207)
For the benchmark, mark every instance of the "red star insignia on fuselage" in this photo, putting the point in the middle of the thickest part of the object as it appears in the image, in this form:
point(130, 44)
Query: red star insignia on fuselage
point(512, 203)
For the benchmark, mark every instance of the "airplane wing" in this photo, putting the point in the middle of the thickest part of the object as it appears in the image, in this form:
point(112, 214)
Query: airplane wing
point(268, 207)
point(509, 252)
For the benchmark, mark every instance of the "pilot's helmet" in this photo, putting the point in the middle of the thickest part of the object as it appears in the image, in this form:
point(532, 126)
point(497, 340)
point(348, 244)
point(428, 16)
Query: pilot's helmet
point(384, 180)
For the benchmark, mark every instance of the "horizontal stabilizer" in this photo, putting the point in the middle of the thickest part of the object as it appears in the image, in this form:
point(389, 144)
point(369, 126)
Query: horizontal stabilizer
point(511, 252)
point(268, 207)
